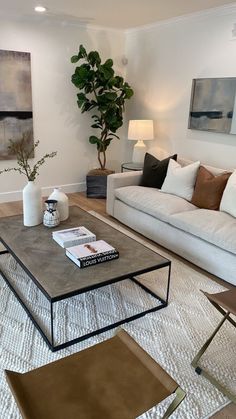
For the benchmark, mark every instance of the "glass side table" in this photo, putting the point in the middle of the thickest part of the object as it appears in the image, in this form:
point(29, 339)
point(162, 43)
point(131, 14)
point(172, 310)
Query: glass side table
point(131, 166)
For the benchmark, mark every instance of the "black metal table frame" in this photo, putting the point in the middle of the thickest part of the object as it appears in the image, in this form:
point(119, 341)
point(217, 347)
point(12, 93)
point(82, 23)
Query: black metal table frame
point(51, 342)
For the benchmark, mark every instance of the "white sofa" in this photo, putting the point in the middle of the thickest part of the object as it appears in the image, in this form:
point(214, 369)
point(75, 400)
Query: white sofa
point(205, 237)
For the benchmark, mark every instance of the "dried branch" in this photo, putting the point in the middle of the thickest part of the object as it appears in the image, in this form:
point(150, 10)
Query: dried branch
point(23, 153)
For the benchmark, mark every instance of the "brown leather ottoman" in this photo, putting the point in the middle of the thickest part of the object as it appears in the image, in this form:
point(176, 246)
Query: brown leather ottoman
point(115, 379)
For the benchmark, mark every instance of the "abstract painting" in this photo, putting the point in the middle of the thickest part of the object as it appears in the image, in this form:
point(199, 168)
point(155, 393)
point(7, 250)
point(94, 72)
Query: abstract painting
point(16, 116)
point(213, 105)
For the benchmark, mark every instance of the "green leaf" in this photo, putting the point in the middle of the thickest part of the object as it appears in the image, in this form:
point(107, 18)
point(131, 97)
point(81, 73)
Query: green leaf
point(74, 59)
point(114, 135)
point(82, 52)
point(111, 96)
point(107, 142)
point(128, 93)
point(93, 139)
point(108, 63)
point(84, 107)
point(75, 80)
point(81, 99)
point(83, 71)
point(118, 81)
point(106, 71)
point(88, 88)
point(82, 77)
point(96, 126)
point(96, 118)
point(94, 58)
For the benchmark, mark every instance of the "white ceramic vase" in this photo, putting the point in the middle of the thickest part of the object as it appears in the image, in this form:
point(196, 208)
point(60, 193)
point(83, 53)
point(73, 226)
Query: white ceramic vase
point(62, 203)
point(32, 204)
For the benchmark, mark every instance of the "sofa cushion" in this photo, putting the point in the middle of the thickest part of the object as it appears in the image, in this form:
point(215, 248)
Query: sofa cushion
point(154, 171)
point(153, 202)
point(215, 227)
point(209, 189)
point(179, 180)
point(228, 202)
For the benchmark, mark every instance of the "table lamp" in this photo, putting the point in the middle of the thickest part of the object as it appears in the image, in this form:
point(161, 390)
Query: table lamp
point(140, 130)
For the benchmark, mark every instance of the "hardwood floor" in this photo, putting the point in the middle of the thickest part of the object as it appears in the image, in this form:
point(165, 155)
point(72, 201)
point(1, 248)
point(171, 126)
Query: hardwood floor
point(99, 205)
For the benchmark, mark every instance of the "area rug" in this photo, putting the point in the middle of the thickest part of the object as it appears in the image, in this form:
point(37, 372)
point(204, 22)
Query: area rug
point(172, 336)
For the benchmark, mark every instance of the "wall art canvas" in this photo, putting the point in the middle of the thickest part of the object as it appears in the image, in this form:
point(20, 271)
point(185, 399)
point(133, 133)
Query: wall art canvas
point(16, 116)
point(212, 106)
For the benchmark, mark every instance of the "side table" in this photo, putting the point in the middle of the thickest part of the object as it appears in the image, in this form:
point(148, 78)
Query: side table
point(131, 166)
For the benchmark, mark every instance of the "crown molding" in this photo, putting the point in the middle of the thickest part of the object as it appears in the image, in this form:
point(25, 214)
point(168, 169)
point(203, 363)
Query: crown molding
point(216, 11)
point(67, 20)
point(90, 26)
point(57, 19)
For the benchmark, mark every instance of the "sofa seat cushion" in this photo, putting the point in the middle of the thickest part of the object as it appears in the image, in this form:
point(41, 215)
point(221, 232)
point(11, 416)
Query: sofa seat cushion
point(215, 227)
point(153, 202)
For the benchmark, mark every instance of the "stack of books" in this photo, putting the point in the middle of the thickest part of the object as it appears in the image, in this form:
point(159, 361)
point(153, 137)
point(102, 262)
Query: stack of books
point(89, 254)
point(82, 248)
point(73, 236)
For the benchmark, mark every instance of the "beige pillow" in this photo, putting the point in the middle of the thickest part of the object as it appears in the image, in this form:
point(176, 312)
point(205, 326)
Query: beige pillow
point(228, 202)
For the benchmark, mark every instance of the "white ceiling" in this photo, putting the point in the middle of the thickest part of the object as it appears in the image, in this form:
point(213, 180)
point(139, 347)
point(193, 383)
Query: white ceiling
point(121, 14)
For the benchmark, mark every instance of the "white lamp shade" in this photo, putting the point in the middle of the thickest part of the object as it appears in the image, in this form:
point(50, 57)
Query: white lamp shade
point(140, 129)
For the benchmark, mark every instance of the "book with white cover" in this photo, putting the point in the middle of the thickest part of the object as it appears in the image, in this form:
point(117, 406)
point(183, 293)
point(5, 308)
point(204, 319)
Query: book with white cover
point(73, 236)
point(92, 253)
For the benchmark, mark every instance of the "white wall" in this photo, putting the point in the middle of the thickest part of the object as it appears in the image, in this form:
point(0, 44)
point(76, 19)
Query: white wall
point(163, 60)
point(58, 123)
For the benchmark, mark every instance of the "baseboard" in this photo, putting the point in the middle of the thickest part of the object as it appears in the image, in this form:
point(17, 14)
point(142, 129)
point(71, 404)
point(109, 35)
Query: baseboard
point(46, 191)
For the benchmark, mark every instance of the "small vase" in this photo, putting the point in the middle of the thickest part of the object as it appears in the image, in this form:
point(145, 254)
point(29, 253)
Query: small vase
point(62, 203)
point(51, 217)
point(32, 204)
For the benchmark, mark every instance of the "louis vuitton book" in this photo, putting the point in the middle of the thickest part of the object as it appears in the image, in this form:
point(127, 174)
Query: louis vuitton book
point(92, 253)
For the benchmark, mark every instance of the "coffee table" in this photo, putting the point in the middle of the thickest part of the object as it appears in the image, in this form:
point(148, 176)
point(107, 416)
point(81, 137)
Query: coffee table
point(58, 278)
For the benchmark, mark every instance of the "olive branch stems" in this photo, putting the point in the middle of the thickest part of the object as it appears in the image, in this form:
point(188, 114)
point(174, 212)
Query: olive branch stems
point(23, 153)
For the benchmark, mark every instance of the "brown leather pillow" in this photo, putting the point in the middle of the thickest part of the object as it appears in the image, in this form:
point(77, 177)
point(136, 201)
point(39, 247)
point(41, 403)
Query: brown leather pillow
point(209, 189)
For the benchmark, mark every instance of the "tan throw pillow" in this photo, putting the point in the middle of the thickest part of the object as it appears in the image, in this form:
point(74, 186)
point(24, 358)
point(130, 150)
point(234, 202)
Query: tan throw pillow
point(209, 189)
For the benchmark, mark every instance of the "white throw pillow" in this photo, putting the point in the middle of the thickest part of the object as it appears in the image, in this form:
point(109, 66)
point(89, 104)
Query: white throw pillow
point(179, 180)
point(228, 201)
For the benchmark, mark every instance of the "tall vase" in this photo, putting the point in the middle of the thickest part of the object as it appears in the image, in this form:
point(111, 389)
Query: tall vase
point(32, 205)
point(62, 203)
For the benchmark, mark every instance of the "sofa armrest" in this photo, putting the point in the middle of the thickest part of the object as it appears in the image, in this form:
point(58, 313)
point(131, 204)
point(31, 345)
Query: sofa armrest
point(118, 180)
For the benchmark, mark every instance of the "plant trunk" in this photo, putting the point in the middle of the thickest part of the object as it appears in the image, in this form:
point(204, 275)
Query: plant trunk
point(102, 159)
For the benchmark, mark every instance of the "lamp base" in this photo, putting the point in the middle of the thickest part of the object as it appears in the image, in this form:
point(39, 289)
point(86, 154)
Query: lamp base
point(139, 152)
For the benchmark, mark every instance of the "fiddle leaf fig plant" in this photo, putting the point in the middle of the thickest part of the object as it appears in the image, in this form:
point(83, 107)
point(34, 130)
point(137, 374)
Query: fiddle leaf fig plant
point(105, 93)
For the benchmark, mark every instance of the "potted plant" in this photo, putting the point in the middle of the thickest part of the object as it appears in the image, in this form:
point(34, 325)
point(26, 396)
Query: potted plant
point(105, 93)
point(32, 200)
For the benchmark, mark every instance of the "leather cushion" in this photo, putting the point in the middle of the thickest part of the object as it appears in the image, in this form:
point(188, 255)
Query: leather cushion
point(209, 189)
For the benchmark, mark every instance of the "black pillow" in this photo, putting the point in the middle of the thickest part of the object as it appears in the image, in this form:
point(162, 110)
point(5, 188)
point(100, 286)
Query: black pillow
point(154, 171)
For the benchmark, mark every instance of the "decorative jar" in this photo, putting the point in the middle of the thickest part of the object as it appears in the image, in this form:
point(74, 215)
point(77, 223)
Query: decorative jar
point(51, 217)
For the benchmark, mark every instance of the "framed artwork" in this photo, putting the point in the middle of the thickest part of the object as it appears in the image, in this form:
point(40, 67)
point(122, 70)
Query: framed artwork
point(16, 116)
point(212, 106)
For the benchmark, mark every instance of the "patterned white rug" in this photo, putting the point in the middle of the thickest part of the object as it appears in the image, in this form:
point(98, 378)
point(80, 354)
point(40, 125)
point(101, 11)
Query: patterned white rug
point(172, 335)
